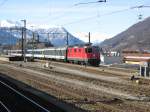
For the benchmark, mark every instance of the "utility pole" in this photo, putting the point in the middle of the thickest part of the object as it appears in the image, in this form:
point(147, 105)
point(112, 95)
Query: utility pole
point(33, 41)
point(67, 38)
point(38, 38)
point(11, 42)
point(48, 38)
point(89, 38)
point(24, 40)
point(22, 43)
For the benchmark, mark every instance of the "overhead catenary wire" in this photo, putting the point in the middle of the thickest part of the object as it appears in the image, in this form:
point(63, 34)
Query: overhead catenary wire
point(93, 17)
point(140, 6)
point(140, 16)
point(89, 2)
point(64, 13)
point(106, 14)
point(57, 17)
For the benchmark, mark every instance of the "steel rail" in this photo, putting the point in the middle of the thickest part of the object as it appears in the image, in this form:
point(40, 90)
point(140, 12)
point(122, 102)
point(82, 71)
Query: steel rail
point(4, 106)
point(45, 110)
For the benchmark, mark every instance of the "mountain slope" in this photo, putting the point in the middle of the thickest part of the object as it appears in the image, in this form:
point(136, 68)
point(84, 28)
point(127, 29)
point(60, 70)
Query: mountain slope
point(137, 37)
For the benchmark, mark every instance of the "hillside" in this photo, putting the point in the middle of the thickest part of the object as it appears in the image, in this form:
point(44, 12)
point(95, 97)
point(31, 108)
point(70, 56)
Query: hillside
point(137, 37)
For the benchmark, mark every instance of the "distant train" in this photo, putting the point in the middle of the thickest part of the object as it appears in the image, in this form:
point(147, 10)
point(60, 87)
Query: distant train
point(89, 55)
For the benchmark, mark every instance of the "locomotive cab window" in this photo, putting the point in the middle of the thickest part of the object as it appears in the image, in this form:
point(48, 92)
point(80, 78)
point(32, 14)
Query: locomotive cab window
point(88, 50)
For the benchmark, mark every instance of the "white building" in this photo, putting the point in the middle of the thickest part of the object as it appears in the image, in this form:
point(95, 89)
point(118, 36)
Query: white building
point(112, 57)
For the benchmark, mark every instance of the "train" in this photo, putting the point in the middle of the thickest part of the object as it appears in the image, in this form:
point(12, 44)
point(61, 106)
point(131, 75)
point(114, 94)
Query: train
point(86, 55)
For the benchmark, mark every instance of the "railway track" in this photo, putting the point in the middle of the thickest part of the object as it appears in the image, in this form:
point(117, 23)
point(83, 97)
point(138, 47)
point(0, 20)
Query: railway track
point(19, 102)
point(103, 80)
point(101, 68)
point(3, 107)
point(15, 99)
point(67, 87)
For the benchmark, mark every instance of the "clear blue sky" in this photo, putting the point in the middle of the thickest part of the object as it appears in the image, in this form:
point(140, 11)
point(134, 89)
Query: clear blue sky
point(96, 18)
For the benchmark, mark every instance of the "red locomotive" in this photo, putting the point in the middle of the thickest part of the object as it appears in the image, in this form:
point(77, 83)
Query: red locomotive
point(84, 55)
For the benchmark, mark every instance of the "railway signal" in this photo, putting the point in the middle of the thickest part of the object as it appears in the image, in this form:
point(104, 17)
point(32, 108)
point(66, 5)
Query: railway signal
point(89, 38)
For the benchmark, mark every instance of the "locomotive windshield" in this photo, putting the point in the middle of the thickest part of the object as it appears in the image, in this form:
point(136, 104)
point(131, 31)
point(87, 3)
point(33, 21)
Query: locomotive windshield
point(88, 50)
point(96, 49)
point(92, 50)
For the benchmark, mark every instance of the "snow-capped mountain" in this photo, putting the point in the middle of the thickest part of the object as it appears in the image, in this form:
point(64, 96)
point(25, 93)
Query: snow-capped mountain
point(6, 38)
point(56, 35)
point(9, 23)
